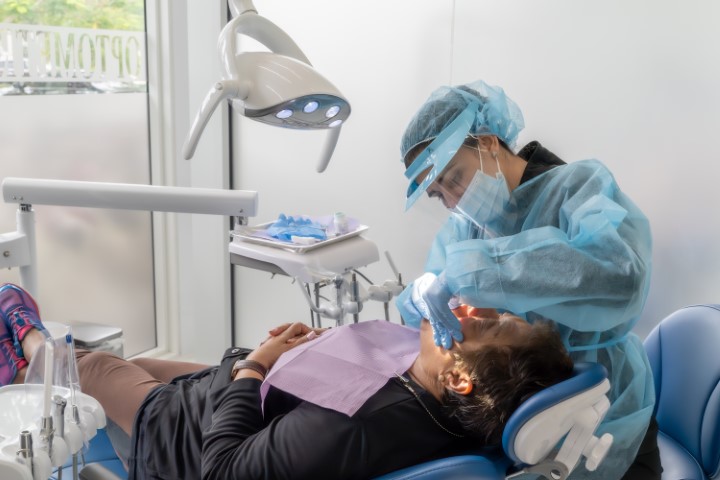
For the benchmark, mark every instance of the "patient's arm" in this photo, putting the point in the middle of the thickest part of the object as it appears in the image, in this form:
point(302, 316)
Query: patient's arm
point(392, 431)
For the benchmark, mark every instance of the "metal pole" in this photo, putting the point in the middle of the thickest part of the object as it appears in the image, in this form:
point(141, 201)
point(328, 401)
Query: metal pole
point(25, 219)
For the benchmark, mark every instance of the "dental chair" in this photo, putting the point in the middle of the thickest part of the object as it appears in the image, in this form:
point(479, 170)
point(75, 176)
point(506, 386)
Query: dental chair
point(571, 410)
point(684, 353)
point(565, 415)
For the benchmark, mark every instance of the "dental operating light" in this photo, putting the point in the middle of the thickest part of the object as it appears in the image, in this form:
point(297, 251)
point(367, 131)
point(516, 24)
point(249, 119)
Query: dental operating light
point(279, 87)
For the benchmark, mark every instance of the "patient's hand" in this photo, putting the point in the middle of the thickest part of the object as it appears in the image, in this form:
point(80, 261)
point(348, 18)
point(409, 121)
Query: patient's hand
point(286, 336)
point(281, 328)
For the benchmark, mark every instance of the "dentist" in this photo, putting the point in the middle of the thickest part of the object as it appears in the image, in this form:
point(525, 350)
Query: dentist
point(540, 238)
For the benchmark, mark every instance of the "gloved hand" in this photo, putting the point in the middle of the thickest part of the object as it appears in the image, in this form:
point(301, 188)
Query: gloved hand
point(431, 296)
point(411, 317)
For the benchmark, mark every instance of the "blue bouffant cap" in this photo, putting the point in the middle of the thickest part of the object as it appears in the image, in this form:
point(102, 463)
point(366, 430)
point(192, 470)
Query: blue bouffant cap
point(496, 114)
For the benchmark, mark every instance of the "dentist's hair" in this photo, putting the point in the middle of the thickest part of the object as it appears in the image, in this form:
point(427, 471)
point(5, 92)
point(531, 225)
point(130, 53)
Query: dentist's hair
point(506, 374)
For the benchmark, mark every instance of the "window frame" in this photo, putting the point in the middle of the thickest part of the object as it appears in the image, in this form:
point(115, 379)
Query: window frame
point(193, 294)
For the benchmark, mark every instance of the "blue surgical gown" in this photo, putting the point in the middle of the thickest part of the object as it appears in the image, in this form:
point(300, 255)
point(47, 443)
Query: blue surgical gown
point(574, 249)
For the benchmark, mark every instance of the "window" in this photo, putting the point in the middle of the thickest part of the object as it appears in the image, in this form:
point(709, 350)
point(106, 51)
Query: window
point(74, 103)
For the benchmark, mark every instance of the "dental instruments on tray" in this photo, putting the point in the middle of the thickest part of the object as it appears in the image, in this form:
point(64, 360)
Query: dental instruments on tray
point(318, 261)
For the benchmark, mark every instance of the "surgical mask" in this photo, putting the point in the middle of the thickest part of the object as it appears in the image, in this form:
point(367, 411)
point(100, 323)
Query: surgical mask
point(485, 200)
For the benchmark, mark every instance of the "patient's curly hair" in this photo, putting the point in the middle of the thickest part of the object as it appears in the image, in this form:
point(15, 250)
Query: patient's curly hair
point(504, 375)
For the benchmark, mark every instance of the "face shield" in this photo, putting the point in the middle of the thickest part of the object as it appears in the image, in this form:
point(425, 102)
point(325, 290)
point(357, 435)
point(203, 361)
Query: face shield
point(470, 185)
point(483, 110)
point(434, 159)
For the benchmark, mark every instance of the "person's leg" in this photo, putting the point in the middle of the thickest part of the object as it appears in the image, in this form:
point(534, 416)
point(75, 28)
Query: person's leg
point(117, 384)
point(18, 316)
point(120, 386)
point(12, 366)
point(166, 370)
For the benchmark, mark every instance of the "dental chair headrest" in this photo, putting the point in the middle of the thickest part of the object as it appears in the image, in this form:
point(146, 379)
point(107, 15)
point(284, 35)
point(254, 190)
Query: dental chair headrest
point(572, 409)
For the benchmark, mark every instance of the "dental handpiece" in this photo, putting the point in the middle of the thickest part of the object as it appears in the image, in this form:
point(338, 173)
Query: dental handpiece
point(59, 404)
point(76, 420)
point(46, 433)
point(26, 449)
point(72, 379)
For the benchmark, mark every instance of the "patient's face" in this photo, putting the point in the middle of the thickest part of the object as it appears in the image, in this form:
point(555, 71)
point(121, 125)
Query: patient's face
point(488, 329)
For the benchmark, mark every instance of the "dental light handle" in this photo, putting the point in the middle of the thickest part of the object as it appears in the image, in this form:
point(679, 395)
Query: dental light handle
point(222, 90)
point(329, 148)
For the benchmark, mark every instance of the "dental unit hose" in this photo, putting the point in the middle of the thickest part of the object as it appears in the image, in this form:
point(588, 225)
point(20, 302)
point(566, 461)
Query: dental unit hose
point(332, 311)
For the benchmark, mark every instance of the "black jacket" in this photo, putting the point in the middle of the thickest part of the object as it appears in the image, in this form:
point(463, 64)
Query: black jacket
point(207, 416)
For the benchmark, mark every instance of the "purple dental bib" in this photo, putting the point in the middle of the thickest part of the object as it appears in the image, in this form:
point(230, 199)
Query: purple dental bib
point(345, 366)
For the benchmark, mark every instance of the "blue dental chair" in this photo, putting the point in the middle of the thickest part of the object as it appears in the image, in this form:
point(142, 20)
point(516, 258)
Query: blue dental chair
point(684, 353)
point(566, 414)
point(576, 405)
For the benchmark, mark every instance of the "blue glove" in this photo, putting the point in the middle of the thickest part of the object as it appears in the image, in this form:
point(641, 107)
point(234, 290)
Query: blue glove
point(411, 317)
point(286, 227)
point(431, 296)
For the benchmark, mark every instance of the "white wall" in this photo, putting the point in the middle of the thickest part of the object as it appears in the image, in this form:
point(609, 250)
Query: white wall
point(633, 84)
point(630, 83)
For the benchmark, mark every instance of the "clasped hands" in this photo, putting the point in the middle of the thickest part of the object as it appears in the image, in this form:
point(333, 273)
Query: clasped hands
point(280, 339)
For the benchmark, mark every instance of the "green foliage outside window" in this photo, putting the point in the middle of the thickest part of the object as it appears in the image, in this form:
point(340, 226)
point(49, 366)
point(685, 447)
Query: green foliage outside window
point(102, 14)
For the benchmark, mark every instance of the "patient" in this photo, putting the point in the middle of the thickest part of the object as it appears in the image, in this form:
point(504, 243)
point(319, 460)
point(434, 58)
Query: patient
point(186, 421)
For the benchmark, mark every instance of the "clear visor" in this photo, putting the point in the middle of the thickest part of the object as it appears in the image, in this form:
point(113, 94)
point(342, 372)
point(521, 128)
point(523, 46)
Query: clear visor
point(451, 185)
point(435, 157)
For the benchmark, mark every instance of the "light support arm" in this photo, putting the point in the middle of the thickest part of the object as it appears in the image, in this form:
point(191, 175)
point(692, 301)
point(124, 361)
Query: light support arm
point(238, 7)
point(261, 29)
